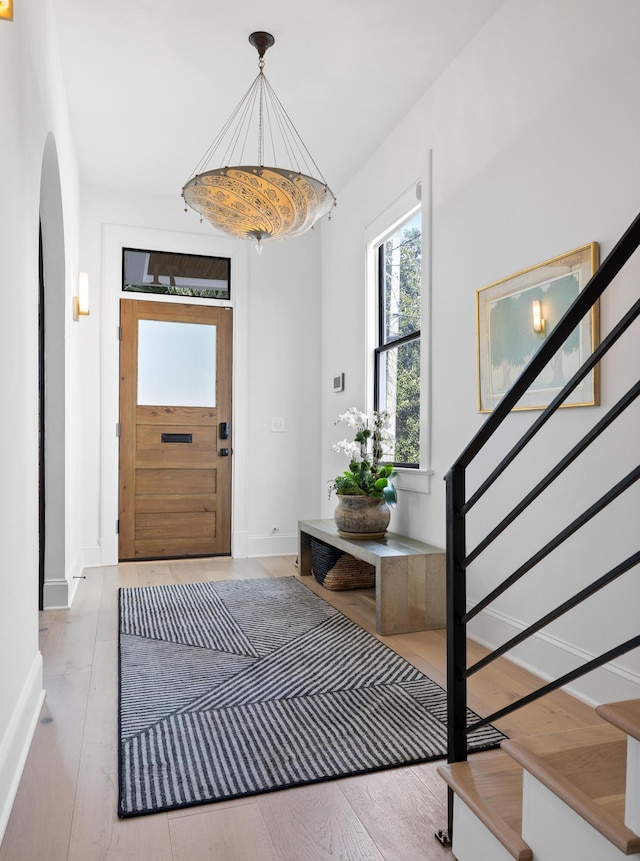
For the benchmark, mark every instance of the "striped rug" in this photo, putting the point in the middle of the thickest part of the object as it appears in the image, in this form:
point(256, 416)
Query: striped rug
point(239, 687)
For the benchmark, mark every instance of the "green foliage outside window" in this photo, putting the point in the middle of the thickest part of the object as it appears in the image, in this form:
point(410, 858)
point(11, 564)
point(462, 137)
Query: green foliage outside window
point(399, 367)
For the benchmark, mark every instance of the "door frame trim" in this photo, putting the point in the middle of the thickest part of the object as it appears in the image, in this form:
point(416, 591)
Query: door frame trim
point(42, 451)
point(115, 238)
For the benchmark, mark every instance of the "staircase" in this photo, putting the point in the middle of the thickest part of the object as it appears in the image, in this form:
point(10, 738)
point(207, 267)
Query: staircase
point(553, 797)
point(560, 796)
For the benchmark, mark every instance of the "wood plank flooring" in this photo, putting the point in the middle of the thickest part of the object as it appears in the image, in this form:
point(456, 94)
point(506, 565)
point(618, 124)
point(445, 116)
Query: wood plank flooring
point(65, 809)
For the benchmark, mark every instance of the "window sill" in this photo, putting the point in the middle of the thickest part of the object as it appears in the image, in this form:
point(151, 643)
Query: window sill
point(415, 480)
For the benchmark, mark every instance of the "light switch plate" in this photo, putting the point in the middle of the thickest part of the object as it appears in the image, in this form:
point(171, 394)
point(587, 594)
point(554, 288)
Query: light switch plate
point(277, 424)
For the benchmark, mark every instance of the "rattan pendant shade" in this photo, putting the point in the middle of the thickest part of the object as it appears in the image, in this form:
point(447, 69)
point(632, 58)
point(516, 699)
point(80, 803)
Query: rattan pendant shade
point(256, 201)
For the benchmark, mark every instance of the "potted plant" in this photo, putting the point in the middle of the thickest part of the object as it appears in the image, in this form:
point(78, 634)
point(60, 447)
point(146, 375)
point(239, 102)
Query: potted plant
point(365, 490)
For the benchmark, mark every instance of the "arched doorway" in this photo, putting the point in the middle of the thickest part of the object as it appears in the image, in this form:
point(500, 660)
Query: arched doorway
point(53, 583)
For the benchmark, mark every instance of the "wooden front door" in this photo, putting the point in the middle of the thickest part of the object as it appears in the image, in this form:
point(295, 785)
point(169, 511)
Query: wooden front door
point(175, 430)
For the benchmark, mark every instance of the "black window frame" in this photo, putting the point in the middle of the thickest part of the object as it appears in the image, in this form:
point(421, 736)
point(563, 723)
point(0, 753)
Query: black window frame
point(196, 293)
point(384, 346)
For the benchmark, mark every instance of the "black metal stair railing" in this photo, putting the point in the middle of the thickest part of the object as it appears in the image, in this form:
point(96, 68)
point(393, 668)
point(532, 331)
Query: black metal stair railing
point(458, 507)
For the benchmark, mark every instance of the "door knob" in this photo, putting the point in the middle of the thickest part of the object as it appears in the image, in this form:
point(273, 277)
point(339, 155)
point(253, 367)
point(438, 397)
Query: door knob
point(224, 452)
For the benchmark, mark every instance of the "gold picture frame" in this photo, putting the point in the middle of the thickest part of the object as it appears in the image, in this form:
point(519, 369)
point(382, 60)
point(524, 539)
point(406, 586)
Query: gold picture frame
point(6, 10)
point(515, 314)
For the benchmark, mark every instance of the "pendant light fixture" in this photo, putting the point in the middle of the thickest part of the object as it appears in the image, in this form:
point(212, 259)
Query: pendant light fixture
point(253, 200)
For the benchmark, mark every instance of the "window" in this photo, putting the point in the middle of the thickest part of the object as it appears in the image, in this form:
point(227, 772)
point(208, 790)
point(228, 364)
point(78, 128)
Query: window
point(397, 355)
point(176, 274)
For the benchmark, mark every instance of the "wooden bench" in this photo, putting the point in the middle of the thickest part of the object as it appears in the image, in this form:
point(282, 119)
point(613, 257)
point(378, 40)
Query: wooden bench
point(410, 576)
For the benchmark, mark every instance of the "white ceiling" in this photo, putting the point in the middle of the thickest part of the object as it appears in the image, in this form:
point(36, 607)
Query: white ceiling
point(151, 82)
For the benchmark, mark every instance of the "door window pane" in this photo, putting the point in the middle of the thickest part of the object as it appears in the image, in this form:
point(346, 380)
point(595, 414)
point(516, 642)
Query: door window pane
point(176, 364)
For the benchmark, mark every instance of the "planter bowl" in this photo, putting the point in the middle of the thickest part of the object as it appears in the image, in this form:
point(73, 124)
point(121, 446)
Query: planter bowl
point(361, 517)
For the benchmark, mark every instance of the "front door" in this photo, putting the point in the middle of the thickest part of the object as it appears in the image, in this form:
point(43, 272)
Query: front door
point(175, 430)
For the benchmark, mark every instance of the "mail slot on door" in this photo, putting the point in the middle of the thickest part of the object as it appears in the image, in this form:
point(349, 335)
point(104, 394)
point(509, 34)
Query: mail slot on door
point(176, 437)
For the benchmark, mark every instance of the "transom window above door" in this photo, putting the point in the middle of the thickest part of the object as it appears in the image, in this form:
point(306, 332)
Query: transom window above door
point(172, 274)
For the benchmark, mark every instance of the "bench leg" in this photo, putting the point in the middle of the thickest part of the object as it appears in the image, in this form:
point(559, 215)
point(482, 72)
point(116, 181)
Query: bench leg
point(391, 596)
point(410, 594)
point(304, 553)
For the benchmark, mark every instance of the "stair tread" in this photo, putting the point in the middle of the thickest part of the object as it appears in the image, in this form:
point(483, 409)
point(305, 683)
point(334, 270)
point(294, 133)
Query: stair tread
point(624, 714)
point(585, 767)
point(491, 786)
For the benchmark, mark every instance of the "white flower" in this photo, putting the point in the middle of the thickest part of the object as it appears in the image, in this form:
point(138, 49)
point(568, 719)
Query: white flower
point(374, 439)
point(351, 449)
point(353, 418)
point(365, 454)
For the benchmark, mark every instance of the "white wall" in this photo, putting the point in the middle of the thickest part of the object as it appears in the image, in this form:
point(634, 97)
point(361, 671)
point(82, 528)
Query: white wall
point(534, 147)
point(283, 469)
point(32, 106)
point(275, 297)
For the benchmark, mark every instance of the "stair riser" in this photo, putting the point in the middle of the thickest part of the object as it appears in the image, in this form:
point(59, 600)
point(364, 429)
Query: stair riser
point(472, 841)
point(556, 832)
point(632, 800)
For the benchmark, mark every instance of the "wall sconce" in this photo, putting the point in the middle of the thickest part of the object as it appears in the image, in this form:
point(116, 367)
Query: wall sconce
point(81, 299)
point(6, 9)
point(539, 323)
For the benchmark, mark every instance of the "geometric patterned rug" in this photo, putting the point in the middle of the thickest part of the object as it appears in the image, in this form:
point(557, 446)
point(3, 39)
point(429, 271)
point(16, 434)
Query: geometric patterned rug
point(240, 687)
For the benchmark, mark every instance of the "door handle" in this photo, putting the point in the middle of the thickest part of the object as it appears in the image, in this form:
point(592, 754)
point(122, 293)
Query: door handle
point(224, 452)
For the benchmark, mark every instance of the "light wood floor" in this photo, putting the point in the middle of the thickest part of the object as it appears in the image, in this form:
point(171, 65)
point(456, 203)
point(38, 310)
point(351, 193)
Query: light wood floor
point(66, 803)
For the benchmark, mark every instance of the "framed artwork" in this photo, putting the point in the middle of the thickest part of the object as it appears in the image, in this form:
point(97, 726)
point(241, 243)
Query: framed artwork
point(514, 316)
point(171, 274)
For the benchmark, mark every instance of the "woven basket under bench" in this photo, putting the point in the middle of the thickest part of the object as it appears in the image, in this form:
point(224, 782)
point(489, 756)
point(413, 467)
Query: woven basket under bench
point(336, 570)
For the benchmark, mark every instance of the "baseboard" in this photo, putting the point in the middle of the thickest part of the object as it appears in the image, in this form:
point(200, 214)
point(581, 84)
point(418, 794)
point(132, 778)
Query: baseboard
point(242, 546)
point(239, 545)
point(91, 555)
point(55, 594)
point(14, 746)
point(108, 549)
point(273, 545)
point(58, 593)
point(550, 658)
